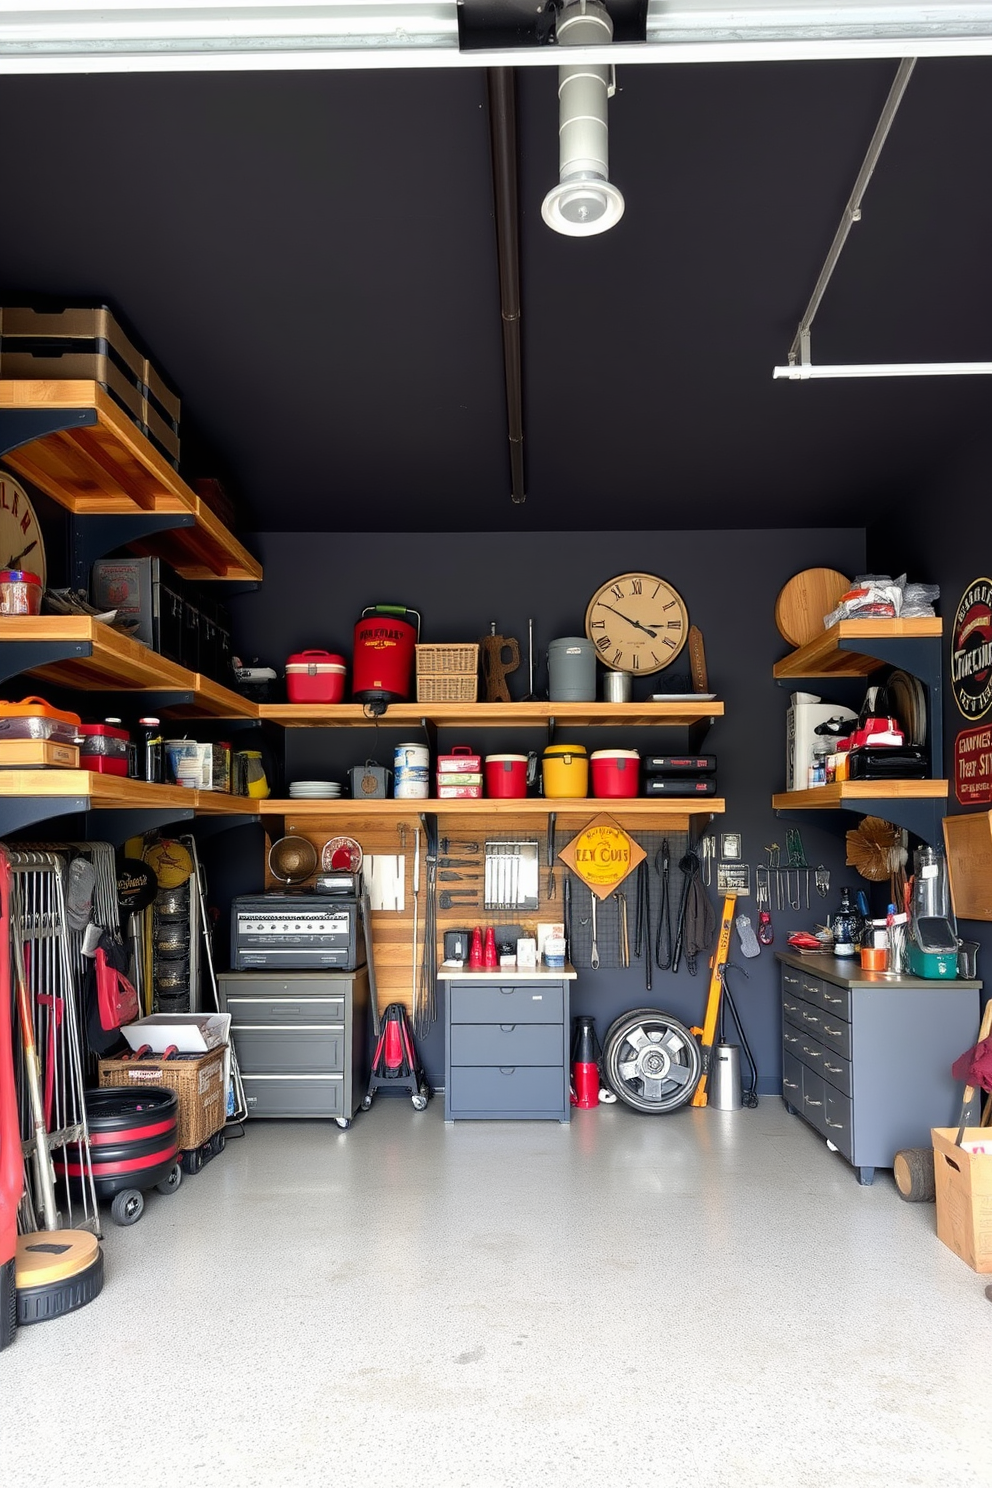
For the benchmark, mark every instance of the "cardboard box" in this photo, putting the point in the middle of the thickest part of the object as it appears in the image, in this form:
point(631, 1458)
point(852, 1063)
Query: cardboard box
point(192, 1033)
point(964, 1195)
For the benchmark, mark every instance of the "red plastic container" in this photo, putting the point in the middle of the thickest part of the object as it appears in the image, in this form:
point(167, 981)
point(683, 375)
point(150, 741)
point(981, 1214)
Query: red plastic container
point(315, 677)
point(506, 776)
point(103, 748)
point(615, 772)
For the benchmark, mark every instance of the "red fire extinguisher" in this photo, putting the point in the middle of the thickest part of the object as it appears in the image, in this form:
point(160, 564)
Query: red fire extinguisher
point(382, 667)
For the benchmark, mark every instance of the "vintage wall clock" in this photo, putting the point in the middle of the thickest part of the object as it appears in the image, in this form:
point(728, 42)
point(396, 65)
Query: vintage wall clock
point(21, 542)
point(637, 622)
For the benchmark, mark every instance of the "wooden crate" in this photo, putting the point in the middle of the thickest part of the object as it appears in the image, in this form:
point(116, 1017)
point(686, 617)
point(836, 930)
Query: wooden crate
point(35, 754)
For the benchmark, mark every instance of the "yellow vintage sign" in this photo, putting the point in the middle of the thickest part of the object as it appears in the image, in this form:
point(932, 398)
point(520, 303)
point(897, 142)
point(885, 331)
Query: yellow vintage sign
point(602, 855)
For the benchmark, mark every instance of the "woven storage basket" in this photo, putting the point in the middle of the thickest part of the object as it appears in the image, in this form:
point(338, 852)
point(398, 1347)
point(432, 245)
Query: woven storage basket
point(199, 1084)
point(446, 659)
point(447, 687)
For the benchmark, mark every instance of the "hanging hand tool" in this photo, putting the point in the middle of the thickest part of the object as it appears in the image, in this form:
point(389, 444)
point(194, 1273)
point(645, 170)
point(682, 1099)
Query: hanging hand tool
point(447, 843)
point(449, 896)
point(822, 881)
point(707, 851)
point(567, 897)
point(458, 862)
point(594, 953)
point(623, 941)
point(663, 934)
point(763, 900)
point(773, 850)
point(449, 877)
point(797, 860)
point(552, 819)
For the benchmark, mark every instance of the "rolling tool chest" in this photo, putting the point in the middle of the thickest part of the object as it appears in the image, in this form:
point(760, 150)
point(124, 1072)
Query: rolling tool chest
point(302, 1040)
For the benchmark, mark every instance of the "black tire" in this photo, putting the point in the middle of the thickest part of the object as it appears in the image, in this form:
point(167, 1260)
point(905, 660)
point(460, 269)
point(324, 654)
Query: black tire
point(217, 1143)
point(127, 1206)
point(651, 1061)
point(192, 1161)
point(170, 1184)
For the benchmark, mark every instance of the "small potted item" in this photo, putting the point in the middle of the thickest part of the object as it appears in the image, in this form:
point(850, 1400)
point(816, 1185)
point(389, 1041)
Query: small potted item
point(615, 772)
point(315, 677)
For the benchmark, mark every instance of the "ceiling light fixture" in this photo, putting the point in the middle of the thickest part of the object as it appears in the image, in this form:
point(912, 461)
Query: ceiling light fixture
point(585, 201)
point(802, 371)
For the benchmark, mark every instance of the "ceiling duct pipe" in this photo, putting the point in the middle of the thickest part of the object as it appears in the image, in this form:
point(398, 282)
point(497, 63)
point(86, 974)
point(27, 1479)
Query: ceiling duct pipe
point(584, 201)
point(503, 143)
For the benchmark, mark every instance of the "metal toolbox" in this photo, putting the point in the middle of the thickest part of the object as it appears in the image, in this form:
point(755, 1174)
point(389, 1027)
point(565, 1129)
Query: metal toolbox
point(145, 590)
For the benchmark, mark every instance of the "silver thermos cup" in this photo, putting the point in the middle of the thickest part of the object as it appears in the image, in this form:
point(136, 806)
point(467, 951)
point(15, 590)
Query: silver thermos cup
point(725, 1083)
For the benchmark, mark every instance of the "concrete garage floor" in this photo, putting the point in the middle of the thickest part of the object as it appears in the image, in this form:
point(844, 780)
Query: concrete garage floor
point(703, 1299)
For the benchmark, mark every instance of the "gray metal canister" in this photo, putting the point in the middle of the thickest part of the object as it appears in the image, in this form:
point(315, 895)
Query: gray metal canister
point(725, 1080)
point(572, 670)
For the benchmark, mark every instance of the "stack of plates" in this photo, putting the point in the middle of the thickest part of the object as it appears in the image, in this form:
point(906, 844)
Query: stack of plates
point(314, 790)
point(907, 700)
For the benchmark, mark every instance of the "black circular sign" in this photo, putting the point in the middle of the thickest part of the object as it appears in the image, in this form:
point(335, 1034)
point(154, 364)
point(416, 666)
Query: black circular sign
point(971, 650)
point(136, 885)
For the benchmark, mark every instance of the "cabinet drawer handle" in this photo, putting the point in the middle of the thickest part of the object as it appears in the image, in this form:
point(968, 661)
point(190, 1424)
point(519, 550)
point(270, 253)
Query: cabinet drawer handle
point(838, 1125)
point(812, 1053)
point(835, 1069)
point(508, 1069)
point(791, 1084)
point(811, 1102)
point(833, 1032)
point(790, 1007)
point(835, 1000)
point(792, 1038)
point(507, 1027)
point(810, 1018)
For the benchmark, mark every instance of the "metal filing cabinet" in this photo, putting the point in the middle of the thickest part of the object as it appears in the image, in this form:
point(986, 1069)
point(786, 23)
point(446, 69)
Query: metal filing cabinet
point(302, 1040)
point(506, 1047)
point(866, 1058)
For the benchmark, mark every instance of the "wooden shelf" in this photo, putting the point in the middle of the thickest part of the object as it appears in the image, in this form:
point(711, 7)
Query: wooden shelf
point(831, 797)
point(113, 792)
point(494, 715)
point(826, 656)
point(109, 467)
point(105, 660)
point(531, 806)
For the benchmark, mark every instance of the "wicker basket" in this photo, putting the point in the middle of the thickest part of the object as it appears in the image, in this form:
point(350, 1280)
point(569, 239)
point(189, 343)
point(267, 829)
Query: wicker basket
point(447, 687)
point(440, 660)
point(199, 1084)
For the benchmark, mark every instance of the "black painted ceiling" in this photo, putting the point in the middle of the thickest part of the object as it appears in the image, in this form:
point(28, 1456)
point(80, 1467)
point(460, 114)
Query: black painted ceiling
point(311, 258)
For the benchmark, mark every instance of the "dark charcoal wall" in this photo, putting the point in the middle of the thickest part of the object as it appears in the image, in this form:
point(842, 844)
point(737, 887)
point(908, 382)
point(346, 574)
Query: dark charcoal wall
point(315, 588)
point(948, 544)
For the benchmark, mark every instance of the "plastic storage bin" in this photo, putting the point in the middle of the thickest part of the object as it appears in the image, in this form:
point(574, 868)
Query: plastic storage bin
point(33, 718)
point(103, 748)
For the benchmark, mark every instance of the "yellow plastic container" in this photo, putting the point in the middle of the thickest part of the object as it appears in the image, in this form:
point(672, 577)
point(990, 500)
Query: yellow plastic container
point(565, 771)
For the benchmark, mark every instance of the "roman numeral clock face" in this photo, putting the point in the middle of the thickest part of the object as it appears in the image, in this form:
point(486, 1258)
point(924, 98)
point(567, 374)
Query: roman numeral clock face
point(637, 622)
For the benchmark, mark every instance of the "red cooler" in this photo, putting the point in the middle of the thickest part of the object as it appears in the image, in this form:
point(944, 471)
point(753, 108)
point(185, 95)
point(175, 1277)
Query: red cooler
point(614, 772)
point(506, 776)
point(315, 677)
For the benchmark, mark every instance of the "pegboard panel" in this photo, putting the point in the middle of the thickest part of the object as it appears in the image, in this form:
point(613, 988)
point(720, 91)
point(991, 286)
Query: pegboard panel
point(608, 912)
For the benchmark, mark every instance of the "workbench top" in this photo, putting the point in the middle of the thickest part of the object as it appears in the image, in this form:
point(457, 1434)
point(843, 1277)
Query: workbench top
point(846, 971)
point(466, 973)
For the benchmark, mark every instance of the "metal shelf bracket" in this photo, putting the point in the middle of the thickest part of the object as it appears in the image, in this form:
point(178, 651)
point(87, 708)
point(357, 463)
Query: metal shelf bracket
point(23, 425)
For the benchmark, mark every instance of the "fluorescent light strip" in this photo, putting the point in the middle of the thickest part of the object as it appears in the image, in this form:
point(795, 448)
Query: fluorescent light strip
point(805, 372)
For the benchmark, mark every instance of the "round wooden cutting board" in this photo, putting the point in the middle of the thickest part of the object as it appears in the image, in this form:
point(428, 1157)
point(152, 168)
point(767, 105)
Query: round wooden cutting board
point(804, 600)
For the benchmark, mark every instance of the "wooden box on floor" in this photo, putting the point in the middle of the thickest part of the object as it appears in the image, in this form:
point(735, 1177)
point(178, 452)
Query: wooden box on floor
point(964, 1194)
point(199, 1083)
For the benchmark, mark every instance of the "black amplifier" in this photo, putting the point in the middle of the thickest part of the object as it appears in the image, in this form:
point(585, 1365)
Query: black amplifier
point(296, 932)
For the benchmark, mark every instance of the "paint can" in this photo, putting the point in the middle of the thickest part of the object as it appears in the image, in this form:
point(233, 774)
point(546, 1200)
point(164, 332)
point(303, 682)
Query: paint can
point(411, 772)
point(572, 670)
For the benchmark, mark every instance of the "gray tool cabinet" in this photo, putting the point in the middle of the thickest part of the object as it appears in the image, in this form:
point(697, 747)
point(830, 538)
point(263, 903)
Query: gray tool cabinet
point(506, 1045)
point(866, 1058)
point(302, 1040)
